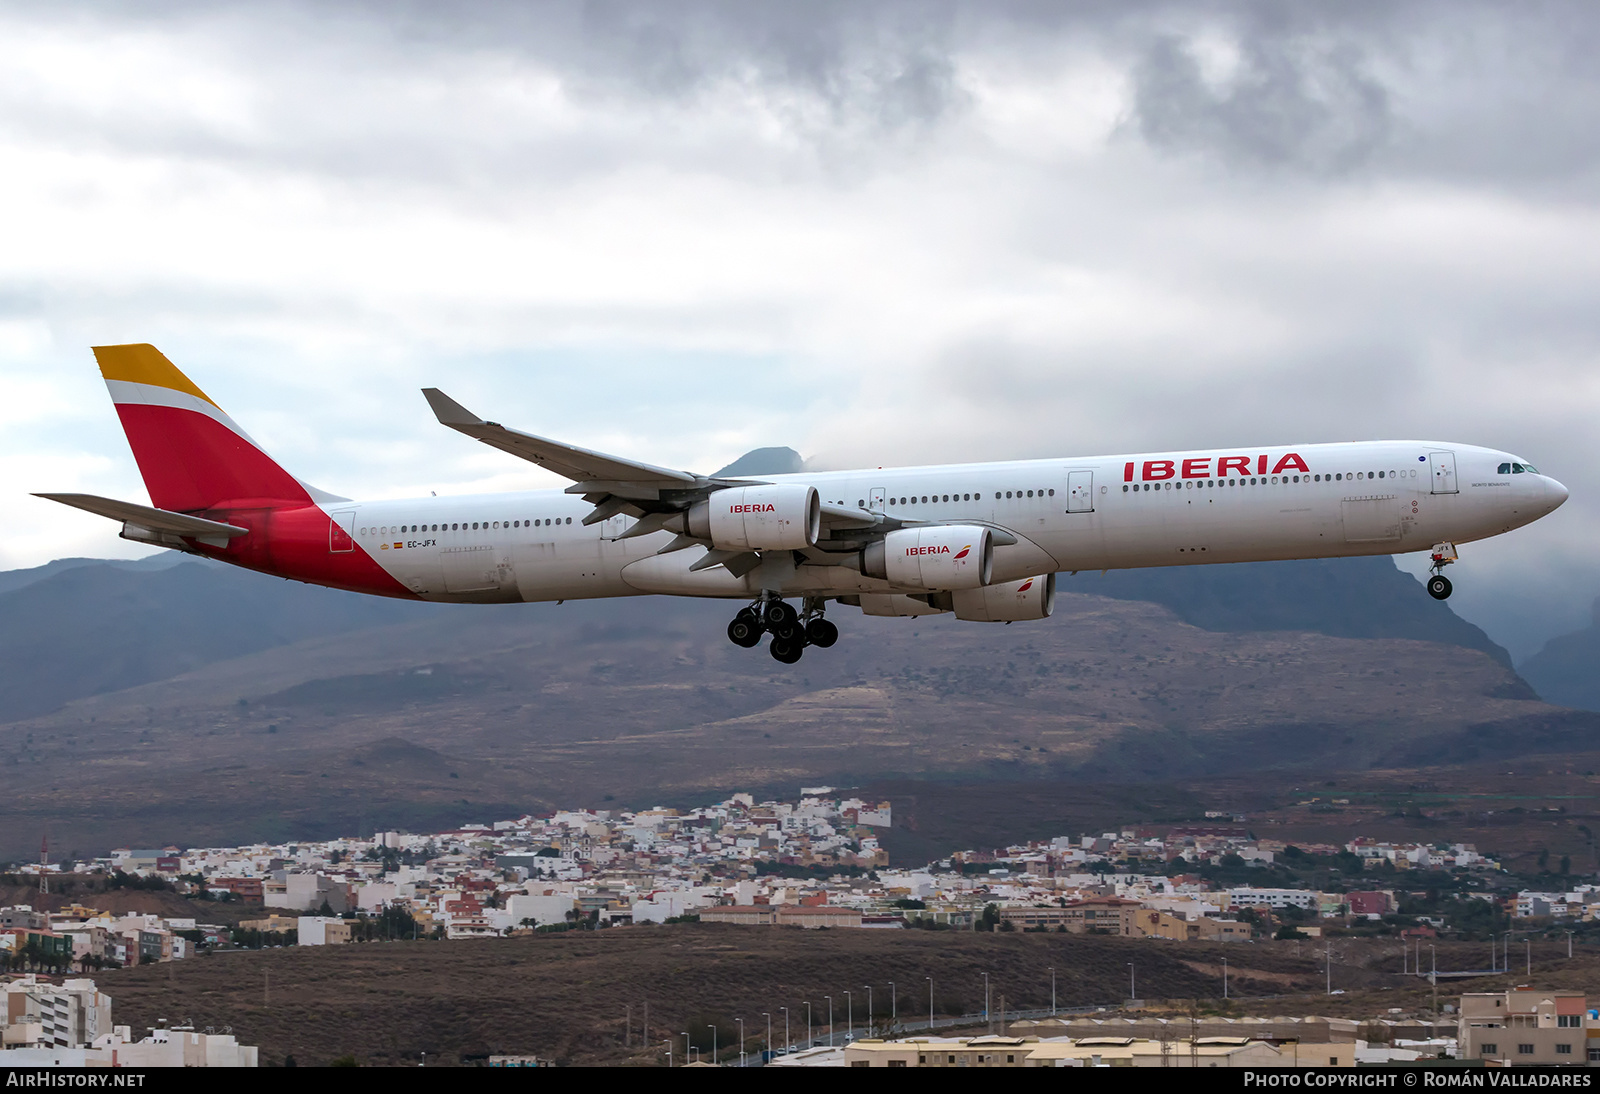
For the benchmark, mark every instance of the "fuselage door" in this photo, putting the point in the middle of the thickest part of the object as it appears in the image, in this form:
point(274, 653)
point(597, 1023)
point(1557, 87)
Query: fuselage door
point(1080, 491)
point(1443, 467)
point(340, 532)
point(875, 499)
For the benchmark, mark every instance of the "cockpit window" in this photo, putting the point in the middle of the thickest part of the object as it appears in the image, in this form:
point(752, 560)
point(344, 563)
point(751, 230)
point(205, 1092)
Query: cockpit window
point(1505, 469)
point(1529, 468)
point(1516, 469)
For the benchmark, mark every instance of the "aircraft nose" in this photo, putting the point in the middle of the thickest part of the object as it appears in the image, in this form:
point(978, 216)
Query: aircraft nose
point(1555, 494)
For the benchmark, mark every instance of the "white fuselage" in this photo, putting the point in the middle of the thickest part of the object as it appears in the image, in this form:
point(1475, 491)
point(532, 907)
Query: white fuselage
point(1088, 513)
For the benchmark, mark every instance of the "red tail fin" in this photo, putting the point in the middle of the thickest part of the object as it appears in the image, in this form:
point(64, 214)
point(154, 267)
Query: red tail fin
point(191, 454)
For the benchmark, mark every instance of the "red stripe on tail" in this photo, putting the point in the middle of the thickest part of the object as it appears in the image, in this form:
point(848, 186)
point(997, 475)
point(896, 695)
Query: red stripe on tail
point(190, 461)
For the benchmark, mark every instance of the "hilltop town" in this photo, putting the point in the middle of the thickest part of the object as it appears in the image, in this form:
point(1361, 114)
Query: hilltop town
point(815, 861)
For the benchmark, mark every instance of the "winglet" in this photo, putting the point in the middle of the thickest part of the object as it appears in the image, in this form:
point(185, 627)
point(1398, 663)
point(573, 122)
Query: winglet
point(448, 411)
point(567, 460)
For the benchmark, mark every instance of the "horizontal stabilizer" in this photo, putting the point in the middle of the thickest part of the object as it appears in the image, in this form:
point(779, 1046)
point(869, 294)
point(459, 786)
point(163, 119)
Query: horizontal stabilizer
point(568, 461)
point(157, 520)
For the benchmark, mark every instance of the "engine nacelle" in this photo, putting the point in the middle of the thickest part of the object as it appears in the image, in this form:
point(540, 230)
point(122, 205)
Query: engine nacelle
point(780, 517)
point(1013, 602)
point(941, 556)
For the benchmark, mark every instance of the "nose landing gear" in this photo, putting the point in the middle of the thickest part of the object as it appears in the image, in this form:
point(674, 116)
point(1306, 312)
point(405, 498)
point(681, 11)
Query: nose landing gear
point(1439, 585)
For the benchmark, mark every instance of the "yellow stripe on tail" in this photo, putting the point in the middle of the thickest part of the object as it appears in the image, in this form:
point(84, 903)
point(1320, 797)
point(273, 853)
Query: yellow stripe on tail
point(142, 363)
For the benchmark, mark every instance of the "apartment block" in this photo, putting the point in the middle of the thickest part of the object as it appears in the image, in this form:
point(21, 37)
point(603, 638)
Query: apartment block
point(1528, 1026)
point(39, 1013)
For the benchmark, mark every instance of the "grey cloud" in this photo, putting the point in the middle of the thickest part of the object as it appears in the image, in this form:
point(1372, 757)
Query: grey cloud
point(1293, 104)
point(386, 93)
point(852, 59)
point(1457, 91)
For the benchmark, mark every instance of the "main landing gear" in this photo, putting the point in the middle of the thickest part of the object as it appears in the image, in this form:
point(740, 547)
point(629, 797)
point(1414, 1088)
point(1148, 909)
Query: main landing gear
point(791, 631)
point(1439, 585)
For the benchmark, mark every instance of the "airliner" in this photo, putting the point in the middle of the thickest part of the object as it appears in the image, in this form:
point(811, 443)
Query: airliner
point(983, 541)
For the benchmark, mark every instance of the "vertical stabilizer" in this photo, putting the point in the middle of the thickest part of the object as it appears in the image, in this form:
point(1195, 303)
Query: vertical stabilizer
point(191, 454)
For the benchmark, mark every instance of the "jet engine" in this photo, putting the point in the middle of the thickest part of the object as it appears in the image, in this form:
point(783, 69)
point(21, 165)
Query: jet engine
point(778, 517)
point(1012, 602)
point(940, 556)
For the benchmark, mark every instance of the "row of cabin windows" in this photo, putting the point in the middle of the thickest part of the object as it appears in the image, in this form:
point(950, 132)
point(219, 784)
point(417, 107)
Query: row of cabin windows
point(1518, 469)
point(1262, 480)
point(463, 526)
point(927, 499)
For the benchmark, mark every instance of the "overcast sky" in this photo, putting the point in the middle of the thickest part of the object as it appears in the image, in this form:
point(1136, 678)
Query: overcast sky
point(876, 233)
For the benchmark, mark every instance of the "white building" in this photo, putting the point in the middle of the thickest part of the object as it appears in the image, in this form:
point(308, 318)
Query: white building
point(37, 1013)
point(543, 908)
point(1273, 898)
point(163, 1048)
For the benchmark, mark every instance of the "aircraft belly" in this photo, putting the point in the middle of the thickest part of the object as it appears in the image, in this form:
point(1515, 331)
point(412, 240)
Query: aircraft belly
point(418, 570)
point(1078, 543)
point(1224, 528)
point(480, 573)
point(568, 569)
point(669, 575)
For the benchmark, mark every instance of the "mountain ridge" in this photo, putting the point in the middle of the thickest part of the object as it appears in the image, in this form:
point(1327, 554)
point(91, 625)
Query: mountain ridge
point(90, 628)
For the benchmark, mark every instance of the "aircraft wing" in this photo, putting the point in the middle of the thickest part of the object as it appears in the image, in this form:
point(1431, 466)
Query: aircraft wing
point(588, 469)
point(656, 496)
point(157, 520)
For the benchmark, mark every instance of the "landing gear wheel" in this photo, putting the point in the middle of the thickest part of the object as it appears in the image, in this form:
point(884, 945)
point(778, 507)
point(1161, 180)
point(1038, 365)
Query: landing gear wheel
point(745, 630)
point(782, 620)
point(1439, 587)
point(819, 632)
point(787, 650)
